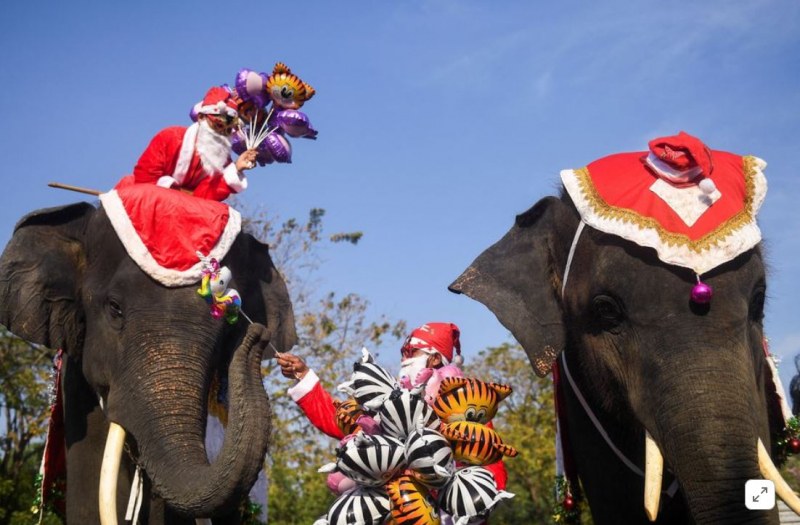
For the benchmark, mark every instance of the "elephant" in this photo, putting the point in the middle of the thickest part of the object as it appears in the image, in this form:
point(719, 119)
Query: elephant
point(659, 372)
point(140, 358)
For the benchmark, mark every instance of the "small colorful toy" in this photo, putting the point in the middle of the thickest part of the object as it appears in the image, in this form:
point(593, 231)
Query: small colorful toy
point(225, 303)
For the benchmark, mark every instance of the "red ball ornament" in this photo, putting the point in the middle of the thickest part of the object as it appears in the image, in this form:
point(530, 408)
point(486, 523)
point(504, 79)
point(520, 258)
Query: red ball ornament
point(569, 503)
point(794, 445)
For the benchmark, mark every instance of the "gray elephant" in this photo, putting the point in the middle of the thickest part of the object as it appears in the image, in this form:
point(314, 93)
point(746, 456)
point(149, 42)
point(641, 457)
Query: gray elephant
point(668, 396)
point(140, 359)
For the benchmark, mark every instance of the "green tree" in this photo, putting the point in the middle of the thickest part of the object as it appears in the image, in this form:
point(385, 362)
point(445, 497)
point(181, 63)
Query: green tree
point(25, 383)
point(331, 331)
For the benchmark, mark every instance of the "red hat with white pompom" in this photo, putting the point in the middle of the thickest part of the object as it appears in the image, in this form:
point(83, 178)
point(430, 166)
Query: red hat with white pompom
point(443, 338)
point(218, 101)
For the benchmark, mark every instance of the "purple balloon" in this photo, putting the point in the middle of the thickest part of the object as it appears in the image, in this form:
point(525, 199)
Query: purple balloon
point(238, 143)
point(279, 147)
point(295, 124)
point(264, 157)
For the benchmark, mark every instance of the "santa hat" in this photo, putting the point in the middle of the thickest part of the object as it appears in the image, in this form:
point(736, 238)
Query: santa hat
point(218, 101)
point(679, 158)
point(442, 338)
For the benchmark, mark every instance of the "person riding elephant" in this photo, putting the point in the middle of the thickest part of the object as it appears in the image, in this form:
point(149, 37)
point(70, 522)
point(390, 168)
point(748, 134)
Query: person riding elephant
point(197, 159)
point(117, 290)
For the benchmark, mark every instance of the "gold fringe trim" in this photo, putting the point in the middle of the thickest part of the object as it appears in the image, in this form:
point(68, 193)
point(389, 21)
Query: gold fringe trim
point(741, 219)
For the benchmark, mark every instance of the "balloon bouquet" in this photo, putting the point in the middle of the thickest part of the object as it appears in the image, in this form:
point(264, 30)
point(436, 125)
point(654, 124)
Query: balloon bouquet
point(268, 107)
point(404, 460)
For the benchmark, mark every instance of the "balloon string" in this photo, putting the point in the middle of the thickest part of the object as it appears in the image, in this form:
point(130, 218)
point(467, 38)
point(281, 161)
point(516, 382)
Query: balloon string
point(247, 317)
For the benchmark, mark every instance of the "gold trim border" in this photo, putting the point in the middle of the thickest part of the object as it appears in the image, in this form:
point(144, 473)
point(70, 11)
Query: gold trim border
point(738, 221)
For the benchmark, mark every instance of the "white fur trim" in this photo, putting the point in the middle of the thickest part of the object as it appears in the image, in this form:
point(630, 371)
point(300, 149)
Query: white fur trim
point(217, 109)
point(236, 179)
point(166, 181)
point(186, 153)
point(737, 242)
point(141, 255)
point(666, 171)
point(304, 386)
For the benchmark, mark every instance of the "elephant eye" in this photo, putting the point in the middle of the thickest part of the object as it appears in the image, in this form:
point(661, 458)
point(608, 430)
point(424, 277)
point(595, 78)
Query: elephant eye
point(607, 311)
point(756, 310)
point(114, 308)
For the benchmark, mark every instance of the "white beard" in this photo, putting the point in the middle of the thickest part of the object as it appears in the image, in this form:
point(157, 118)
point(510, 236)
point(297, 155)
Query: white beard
point(214, 149)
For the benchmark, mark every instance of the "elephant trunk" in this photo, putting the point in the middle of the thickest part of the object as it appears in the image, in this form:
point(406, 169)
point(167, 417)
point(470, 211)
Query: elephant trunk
point(711, 444)
point(170, 436)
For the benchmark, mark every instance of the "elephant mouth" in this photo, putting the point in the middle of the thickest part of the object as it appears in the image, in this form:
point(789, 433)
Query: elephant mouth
point(654, 470)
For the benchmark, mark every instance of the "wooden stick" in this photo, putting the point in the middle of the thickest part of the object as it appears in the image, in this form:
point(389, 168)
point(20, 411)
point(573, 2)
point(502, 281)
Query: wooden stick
point(73, 188)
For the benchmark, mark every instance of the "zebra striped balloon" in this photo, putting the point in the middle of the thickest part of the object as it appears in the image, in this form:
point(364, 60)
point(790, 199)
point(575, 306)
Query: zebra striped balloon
point(471, 495)
point(370, 383)
point(404, 411)
point(361, 506)
point(429, 457)
point(371, 460)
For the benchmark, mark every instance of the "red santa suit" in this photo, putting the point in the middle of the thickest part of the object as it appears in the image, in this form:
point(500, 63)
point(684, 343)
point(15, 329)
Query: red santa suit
point(317, 405)
point(194, 158)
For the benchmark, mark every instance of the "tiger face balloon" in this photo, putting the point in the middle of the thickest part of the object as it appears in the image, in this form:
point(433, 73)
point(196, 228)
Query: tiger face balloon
point(412, 504)
point(286, 89)
point(475, 444)
point(347, 412)
point(468, 399)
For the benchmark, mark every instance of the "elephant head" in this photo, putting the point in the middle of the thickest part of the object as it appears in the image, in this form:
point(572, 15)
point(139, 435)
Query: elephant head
point(142, 356)
point(644, 364)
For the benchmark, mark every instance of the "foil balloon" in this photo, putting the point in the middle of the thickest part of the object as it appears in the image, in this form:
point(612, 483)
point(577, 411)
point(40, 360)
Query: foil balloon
point(295, 124)
point(412, 503)
point(286, 90)
point(433, 377)
point(338, 483)
point(429, 457)
point(238, 143)
point(469, 399)
point(263, 156)
point(368, 460)
point(370, 383)
point(363, 506)
point(471, 495)
point(249, 85)
point(475, 444)
point(347, 413)
point(278, 147)
point(404, 411)
point(195, 111)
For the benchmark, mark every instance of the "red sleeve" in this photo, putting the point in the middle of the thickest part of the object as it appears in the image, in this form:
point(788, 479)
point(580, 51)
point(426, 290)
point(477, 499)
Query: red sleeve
point(318, 407)
point(158, 156)
point(498, 470)
point(214, 188)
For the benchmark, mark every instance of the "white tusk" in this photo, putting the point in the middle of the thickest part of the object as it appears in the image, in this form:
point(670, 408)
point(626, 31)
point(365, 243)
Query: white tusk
point(653, 473)
point(109, 472)
point(770, 472)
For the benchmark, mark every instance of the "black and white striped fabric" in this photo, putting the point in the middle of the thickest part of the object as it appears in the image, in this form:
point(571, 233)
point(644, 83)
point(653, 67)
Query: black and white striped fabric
point(370, 383)
point(404, 411)
point(371, 460)
point(429, 457)
point(361, 506)
point(471, 495)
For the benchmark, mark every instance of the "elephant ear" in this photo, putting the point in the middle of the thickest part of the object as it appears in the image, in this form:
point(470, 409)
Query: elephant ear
point(40, 275)
point(265, 298)
point(516, 279)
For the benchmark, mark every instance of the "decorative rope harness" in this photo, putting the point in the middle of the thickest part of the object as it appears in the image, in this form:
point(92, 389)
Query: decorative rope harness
point(596, 422)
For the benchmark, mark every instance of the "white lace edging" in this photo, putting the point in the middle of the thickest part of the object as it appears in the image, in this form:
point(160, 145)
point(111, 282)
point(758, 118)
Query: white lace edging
point(133, 244)
point(738, 242)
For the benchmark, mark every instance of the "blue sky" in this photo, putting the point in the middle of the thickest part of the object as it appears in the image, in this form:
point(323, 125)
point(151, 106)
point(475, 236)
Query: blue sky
point(439, 120)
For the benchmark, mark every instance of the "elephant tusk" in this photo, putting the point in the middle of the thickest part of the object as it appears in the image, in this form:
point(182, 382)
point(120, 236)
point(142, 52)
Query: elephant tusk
point(653, 472)
point(109, 472)
point(770, 472)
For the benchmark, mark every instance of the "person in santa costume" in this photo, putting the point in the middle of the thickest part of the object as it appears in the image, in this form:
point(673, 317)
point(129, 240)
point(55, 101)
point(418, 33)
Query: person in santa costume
point(432, 345)
point(197, 159)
